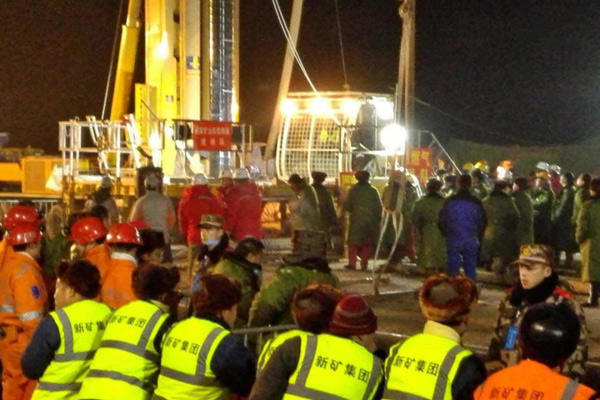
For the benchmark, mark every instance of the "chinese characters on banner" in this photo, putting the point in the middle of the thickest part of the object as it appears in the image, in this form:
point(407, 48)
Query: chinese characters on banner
point(212, 135)
point(419, 163)
point(347, 180)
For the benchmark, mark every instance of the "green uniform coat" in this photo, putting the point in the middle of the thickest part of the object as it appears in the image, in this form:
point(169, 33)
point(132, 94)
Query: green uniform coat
point(525, 226)
point(364, 206)
point(480, 191)
point(502, 220)
point(249, 275)
point(431, 243)
point(271, 306)
point(329, 219)
point(562, 219)
point(543, 203)
point(588, 237)
point(581, 196)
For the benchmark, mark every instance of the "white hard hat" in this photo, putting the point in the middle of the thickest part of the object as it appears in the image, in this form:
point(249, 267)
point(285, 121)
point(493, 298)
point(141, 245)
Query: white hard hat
point(225, 173)
point(542, 165)
point(555, 168)
point(241, 173)
point(200, 179)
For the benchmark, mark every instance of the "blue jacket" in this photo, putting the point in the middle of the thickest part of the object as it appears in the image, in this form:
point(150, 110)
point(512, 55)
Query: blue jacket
point(462, 219)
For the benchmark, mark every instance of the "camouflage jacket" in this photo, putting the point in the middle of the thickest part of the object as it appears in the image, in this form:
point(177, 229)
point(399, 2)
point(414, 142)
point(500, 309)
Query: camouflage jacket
point(509, 314)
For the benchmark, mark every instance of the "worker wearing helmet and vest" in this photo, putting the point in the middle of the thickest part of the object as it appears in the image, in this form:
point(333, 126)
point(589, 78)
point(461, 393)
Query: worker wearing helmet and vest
point(124, 241)
point(333, 365)
point(312, 309)
point(19, 214)
point(434, 365)
point(23, 304)
point(89, 235)
point(64, 343)
point(201, 359)
point(126, 364)
point(547, 337)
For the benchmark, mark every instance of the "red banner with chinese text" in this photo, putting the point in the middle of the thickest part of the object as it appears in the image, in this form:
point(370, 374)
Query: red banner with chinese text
point(420, 162)
point(212, 135)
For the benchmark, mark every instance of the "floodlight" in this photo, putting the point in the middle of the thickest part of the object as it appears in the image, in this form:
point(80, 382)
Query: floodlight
point(320, 106)
point(385, 110)
point(393, 138)
point(289, 107)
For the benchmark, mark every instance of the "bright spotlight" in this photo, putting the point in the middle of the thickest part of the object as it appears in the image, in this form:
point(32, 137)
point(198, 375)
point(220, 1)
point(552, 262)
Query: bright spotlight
point(385, 110)
point(320, 106)
point(289, 107)
point(393, 138)
point(350, 107)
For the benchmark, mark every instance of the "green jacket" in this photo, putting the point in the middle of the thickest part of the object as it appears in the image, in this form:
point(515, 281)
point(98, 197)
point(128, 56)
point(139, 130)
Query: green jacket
point(588, 236)
point(271, 306)
point(581, 196)
point(502, 220)
point(327, 207)
point(562, 219)
point(431, 243)
point(53, 252)
point(525, 226)
point(543, 203)
point(249, 275)
point(364, 206)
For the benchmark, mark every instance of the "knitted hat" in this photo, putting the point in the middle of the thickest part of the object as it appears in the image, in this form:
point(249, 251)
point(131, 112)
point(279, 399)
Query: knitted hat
point(216, 293)
point(353, 317)
point(447, 299)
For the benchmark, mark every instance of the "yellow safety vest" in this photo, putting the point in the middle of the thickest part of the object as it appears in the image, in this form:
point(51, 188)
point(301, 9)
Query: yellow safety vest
point(334, 368)
point(80, 326)
point(273, 344)
point(423, 367)
point(126, 364)
point(187, 354)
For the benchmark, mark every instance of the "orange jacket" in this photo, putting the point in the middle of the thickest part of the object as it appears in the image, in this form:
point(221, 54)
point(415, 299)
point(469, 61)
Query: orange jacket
point(23, 296)
point(5, 250)
point(116, 290)
point(100, 257)
point(530, 380)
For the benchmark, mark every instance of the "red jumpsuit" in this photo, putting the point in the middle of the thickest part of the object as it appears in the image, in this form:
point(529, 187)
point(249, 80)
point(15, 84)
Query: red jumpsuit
point(243, 216)
point(197, 200)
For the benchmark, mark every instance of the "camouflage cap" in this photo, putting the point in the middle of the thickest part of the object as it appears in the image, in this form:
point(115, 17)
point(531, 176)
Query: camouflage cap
point(211, 221)
point(535, 254)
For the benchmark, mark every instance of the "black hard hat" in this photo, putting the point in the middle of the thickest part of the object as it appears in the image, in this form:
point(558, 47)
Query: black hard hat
point(549, 333)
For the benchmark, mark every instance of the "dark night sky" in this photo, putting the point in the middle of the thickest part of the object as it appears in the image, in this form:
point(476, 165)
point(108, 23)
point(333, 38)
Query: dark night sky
point(522, 70)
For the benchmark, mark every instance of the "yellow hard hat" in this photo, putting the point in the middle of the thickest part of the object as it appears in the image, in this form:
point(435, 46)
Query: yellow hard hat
point(467, 167)
point(482, 165)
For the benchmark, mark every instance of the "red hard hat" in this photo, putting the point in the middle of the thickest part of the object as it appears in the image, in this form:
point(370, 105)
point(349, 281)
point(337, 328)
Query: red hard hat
point(24, 234)
point(124, 234)
point(87, 229)
point(20, 214)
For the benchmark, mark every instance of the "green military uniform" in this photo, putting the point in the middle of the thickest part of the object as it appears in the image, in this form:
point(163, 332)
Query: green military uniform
point(581, 196)
point(271, 306)
point(524, 204)
point(126, 364)
point(588, 237)
point(499, 235)
point(185, 365)
point(510, 314)
point(431, 243)
point(562, 219)
point(249, 275)
point(364, 206)
point(327, 207)
point(543, 203)
point(332, 367)
point(80, 326)
point(480, 191)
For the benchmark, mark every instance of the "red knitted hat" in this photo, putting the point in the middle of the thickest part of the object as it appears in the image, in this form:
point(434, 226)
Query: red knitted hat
point(353, 317)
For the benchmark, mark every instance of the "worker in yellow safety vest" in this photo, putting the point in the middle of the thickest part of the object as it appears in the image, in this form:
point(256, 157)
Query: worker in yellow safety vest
point(125, 366)
point(338, 364)
point(64, 343)
point(312, 309)
point(427, 366)
point(201, 359)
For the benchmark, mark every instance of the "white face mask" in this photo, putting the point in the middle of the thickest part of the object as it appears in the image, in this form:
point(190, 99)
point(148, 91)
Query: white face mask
point(212, 242)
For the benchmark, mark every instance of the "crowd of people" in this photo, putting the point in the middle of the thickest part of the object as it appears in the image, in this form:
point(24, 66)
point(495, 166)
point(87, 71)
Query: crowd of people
point(104, 319)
